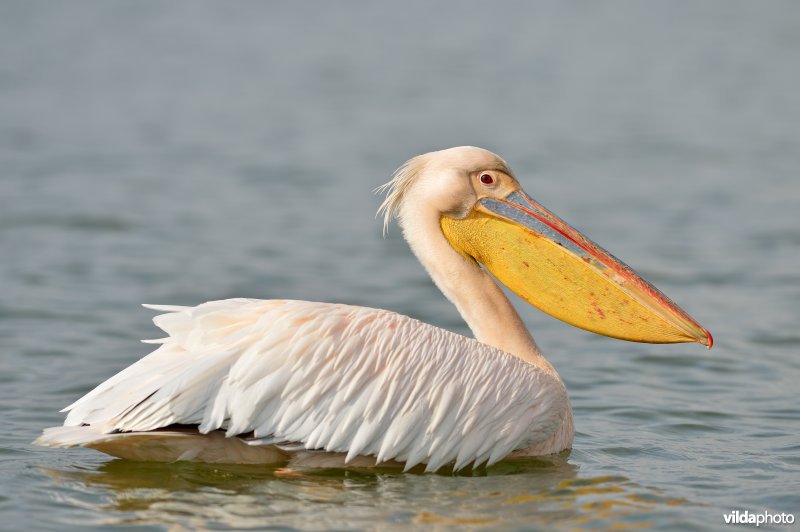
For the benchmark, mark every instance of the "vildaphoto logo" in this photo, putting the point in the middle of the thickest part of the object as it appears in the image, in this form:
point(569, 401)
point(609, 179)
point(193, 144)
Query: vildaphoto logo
point(746, 517)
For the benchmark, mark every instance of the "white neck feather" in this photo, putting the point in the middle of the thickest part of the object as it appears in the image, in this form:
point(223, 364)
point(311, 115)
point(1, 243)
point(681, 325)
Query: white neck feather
point(480, 301)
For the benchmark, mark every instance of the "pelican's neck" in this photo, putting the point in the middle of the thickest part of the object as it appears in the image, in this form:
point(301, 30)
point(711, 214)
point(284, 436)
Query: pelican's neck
point(480, 301)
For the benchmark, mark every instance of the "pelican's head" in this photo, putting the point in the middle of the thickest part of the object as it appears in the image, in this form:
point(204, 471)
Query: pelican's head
point(486, 217)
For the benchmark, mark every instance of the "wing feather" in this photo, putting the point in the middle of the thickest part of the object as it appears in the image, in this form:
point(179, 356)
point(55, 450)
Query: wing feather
point(331, 377)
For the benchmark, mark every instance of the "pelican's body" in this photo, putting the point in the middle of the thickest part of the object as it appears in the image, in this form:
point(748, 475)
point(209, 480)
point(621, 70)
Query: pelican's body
point(260, 381)
point(345, 379)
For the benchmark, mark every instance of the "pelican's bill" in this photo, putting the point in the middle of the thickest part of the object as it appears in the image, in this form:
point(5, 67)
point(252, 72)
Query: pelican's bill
point(558, 270)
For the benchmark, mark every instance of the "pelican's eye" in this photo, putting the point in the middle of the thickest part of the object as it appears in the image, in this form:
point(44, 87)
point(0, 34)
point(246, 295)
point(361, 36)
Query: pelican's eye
point(487, 179)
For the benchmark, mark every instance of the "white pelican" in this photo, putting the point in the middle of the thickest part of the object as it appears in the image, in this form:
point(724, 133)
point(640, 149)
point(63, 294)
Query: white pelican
point(259, 381)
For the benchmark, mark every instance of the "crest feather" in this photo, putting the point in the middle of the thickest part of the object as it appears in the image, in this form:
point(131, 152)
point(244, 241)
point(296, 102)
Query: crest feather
point(397, 187)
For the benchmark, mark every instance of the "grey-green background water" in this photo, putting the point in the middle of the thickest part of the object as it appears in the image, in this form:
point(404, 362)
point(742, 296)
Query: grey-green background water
point(178, 152)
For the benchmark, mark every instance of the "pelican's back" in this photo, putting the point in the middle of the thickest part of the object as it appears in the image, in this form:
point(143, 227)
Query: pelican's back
point(278, 376)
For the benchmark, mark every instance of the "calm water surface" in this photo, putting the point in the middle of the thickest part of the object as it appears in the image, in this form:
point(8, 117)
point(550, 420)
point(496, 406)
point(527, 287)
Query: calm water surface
point(182, 152)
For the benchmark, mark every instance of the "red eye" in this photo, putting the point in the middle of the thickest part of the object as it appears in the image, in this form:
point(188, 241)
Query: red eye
point(486, 179)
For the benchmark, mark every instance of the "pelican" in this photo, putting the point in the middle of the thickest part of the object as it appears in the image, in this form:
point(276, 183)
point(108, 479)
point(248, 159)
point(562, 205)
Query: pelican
point(266, 381)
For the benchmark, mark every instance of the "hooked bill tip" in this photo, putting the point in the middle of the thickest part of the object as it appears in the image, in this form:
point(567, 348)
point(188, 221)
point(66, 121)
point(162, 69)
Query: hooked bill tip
point(710, 340)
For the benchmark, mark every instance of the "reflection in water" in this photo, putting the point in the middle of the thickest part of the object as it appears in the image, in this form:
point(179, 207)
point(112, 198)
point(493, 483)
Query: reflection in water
point(180, 495)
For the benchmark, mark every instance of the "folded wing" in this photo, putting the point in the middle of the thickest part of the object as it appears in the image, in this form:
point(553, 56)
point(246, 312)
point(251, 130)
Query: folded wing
point(330, 377)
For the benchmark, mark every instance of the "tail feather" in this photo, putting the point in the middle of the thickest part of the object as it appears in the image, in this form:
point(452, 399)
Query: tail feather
point(166, 308)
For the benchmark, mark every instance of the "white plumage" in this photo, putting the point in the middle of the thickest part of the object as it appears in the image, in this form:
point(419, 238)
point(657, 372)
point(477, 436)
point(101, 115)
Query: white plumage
point(296, 375)
point(253, 381)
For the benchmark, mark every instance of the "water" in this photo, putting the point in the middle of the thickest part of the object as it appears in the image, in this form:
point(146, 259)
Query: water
point(182, 152)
